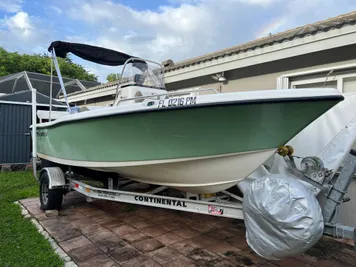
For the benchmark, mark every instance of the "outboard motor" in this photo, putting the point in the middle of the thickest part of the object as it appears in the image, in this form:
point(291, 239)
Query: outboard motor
point(282, 217)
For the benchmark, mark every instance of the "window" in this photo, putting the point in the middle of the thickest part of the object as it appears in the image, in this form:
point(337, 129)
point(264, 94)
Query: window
point(314, 84)
point(343, 78)
point(349, 84)
point(344, 83)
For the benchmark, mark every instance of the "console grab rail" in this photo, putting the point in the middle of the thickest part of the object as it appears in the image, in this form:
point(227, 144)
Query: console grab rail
point(168, 94)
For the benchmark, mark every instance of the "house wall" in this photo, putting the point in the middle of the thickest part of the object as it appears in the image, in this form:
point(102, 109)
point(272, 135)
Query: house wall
point(264, 76)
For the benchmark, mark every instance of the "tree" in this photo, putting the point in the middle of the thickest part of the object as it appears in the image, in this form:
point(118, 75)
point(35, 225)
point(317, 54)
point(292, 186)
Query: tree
point(13, 62)
point(113, 77)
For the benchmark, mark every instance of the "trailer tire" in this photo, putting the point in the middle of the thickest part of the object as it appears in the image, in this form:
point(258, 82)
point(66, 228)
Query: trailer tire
point(50, 198)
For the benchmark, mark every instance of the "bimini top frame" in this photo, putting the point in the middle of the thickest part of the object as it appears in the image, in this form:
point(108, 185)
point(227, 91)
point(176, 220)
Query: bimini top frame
point(91, 53)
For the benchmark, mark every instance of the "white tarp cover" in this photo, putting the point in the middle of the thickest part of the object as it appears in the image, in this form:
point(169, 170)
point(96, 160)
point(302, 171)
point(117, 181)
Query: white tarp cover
point(282, 217)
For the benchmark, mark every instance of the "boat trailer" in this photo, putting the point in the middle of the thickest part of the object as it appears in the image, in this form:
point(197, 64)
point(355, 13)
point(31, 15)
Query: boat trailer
point(52, 179)
point(54, 183)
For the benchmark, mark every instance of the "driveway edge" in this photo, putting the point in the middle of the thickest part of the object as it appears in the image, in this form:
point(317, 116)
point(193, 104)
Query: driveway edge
point(58, 250)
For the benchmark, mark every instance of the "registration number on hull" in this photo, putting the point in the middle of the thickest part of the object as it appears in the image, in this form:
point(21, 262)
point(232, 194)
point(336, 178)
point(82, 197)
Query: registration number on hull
point(178, 101)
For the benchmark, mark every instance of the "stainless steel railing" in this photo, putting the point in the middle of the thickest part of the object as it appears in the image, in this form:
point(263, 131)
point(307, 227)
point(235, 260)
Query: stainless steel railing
point(167, 94)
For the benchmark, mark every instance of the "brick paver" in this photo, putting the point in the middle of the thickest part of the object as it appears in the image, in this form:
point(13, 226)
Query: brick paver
point(110, 244)
point(148, 245)
point(186, 232)
point(141, 261)
point(181, 261)
point(112, 223)
point(84, 253)
point(125, 253)
point(134, 237)
point(99, 234)
point(169, 238)
point(74, 243)
point(123, 229)
point(141, 224)
point(291, 262)
point(154, 231)
point(111, 234)
point(164, 255)
point(99, 260)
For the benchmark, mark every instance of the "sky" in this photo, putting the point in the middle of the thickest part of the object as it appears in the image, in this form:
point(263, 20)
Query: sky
point(154, 29)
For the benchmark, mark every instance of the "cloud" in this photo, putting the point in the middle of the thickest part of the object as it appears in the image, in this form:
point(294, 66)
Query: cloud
point(259, 2)
point(22, 32)
point(97, 11)
point(296, 13)
point(177, 30)
point(183, 29)
point(56, 9)
point(252, 2)
point(171, 32)
point(20, 24)
point(11, 6)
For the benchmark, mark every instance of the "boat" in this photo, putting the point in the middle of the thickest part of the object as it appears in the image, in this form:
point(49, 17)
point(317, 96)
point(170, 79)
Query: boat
point(199, 141)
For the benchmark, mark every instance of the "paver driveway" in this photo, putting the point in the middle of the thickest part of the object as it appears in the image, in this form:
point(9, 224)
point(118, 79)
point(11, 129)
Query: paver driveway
point(109, 234)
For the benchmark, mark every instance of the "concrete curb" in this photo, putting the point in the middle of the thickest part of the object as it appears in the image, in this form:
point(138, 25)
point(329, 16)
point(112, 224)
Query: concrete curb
point(60, 252)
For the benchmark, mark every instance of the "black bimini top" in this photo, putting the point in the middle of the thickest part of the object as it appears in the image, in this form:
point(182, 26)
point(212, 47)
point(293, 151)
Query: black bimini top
point(91, 53)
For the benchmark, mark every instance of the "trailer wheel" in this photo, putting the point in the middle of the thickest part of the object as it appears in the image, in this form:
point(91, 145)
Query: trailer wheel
point(50, 198)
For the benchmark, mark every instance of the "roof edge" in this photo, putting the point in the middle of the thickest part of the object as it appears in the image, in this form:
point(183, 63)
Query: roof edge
point(299, 32)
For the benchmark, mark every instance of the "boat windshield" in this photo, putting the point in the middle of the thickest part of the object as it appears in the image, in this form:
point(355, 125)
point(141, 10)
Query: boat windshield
point(142, 73)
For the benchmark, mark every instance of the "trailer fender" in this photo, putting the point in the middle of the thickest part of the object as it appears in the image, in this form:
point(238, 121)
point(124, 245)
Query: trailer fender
point(56, 177)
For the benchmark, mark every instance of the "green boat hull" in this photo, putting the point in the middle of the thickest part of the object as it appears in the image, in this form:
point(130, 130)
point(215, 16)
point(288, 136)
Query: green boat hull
point(179, 133)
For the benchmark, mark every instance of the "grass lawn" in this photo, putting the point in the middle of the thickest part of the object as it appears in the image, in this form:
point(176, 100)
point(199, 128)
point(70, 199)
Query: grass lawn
point(20, 242)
